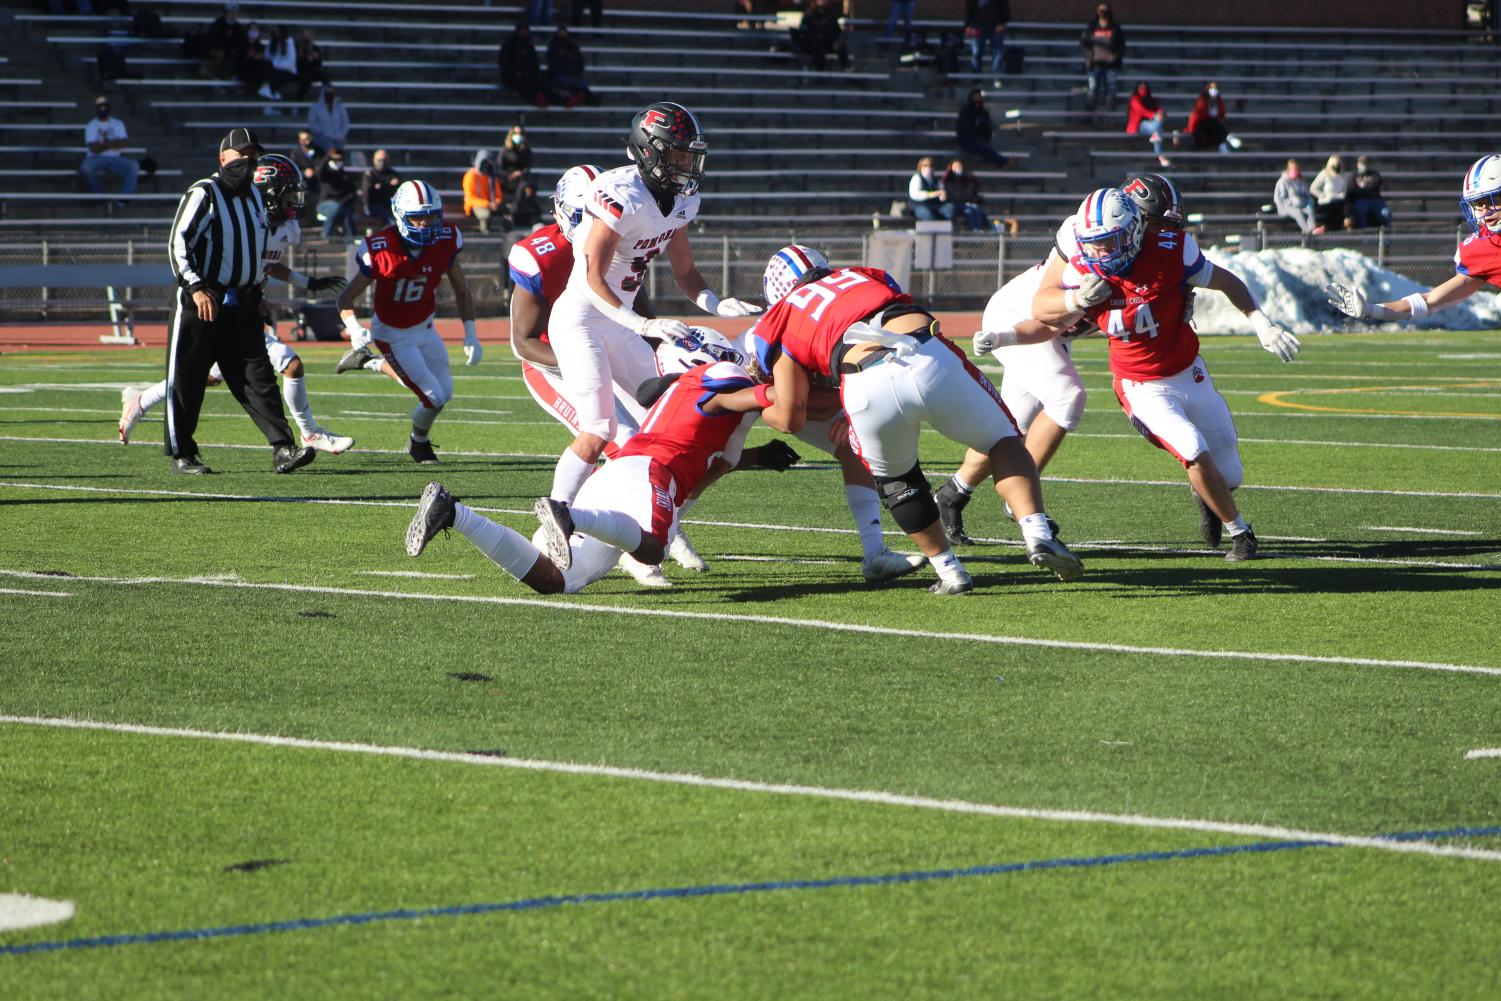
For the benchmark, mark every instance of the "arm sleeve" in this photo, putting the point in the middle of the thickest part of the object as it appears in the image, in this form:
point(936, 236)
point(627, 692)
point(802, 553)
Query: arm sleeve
point(524, 270)
point(192, 215)
point(362, 259)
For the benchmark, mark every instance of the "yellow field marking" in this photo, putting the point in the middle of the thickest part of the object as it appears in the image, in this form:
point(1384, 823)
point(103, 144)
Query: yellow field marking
point(1276, 399)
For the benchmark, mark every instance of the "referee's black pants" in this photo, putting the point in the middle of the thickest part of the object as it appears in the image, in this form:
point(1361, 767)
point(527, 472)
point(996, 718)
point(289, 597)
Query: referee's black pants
point(234, 340)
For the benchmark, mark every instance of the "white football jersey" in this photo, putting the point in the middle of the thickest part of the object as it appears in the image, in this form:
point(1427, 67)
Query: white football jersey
point(621, 200)
point(278, 239)
point(1012, 302)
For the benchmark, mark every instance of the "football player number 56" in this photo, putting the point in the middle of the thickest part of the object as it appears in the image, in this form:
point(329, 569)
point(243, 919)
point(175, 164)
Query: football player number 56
point(1143, 323)
point(409, 289)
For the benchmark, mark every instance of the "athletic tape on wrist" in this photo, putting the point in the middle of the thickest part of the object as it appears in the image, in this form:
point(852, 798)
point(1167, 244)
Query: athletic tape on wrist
point(1418, 304)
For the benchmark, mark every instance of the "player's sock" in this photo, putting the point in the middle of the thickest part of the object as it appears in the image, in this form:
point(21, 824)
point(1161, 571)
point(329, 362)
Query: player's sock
point(294, 393)
point(153, 395)
point(614, 527)
point(375, 364)
point(865, 505)
point(947, 565)
point(422, 421)
point(1237, 526)
point(964, 488)
point(569, 476)
point(1035, 527)
point(505, 547)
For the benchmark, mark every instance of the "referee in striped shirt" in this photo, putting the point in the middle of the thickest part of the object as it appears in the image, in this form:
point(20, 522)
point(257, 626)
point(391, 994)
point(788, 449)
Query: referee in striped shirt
point(218, 238)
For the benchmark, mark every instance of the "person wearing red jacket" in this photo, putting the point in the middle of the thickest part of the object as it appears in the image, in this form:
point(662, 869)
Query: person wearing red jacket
point(1145, 117)
point(1206, 122)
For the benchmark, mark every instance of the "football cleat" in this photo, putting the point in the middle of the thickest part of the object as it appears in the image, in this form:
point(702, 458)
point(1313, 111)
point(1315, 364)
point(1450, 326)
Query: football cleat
point(887, 565)
point(682, 551)
point(1243, 546)
point(962, 584)
point(325, 440)
point(422, 452)
point(951, 505)
point(1055, 556)
point(354, 358)
point(557, 527)
point(1211, 529)
point(190, 465)
point(130, 412)
point(645, 574)
point(286, 459)
point(434, 515)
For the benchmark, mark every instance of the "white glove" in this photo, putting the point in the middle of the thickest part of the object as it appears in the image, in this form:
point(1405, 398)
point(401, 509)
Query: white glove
point(986, 341)
point(664, 330)
point(711, 303)
point(359, 336)
point(1347, 300)
point(1093, 289)
point(473, 351)
point(1273, 338)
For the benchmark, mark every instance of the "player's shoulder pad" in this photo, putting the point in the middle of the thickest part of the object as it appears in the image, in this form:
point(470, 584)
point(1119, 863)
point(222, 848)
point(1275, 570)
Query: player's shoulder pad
point(724, 376)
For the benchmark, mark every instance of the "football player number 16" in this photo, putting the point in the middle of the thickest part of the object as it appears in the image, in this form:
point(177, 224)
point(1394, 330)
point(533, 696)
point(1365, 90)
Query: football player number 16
point(1142, 323)
point(410, 289)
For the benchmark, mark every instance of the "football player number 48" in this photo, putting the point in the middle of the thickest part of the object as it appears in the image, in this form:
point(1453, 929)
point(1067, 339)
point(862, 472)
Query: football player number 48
point(410, 289)
point(1143, 323)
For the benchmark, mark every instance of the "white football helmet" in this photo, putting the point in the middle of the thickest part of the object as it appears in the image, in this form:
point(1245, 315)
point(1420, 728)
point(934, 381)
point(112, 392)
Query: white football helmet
point(569, 196)
point(1109, 229)
point(1480, 198)
point(419, 213)
point(701, 346)
point(785, 271)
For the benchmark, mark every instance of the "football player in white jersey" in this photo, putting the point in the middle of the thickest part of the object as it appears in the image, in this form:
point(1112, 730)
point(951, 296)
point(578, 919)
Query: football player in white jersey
point(282, 187)
point(634, 213)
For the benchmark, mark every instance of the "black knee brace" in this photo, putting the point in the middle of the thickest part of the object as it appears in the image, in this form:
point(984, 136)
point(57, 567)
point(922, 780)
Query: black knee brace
point(909, 498)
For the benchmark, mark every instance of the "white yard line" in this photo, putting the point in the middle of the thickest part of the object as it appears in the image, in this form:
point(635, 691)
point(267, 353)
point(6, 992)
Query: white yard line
point(775, 559)
point(778, 789)
point(776, 620)
point(1483, 752)
point(40, 594)
point(1410, 530)
point(261, 448)
point(417, 574)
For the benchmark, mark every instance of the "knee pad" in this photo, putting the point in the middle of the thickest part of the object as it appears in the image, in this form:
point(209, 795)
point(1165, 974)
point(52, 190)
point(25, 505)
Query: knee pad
point(909, 498)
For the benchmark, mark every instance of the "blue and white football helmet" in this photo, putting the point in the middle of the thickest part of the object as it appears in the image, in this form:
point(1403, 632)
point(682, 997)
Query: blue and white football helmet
point(1109, 229)
point(1481, 194)
point(700, 347)
point(569, 196)
point(419, 213)
point(785, 271)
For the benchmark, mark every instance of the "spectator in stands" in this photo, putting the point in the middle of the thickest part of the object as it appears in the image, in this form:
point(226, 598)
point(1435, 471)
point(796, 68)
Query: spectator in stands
point(526, 210)
point(515, 161)
point(1206, 122)
point(819, 34)
point(565, 69)
point(328, 119)
point(1293, 200)
point(1145, 117)
point(973, 130)
point(281, 47)
point(227, 39)
point(520, 69)
point(1364, 206)
point(338, 191)
point(482, 191)
point(985, 21)
point(254, 67)
point(961, 197)
point(309, 64)
point(924, 193)
point(381, 182)
point(900, 9)
point(105, 137)
point(1104, 45)
point(596, 11)
point(308, 156)
point(147, 23)
point(1328, 189)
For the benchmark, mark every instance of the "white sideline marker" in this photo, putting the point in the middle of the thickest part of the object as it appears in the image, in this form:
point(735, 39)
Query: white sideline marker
point(20, 910)
point(417, 574)
point(1483, 752)
point(780, 789)
point(1409, 530)
point(43, 594)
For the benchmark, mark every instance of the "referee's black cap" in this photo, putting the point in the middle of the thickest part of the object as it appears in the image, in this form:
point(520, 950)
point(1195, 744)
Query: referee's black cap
point(240, 140)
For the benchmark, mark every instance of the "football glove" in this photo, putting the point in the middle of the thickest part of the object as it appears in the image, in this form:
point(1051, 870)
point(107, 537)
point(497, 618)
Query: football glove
point(473, 351)
point(665, 330)
point(1093, 289)
point(986, 341)
point(1273, 338)
point(777, 455)
point(736, 307)
point(328, 283)
point(1347, 300)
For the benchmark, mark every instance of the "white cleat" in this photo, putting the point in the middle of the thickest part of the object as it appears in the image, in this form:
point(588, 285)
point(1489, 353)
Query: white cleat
point(681, 550)
point(961, 584)
point(887, 565)
point(646, 574)
point(130, 412)
point(325, 440)
point(1054, 556)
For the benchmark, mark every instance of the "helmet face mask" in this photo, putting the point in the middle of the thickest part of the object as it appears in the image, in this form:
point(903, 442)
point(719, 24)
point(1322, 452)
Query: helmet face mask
point(1109, 228)
point(569, 196)
point(281, 186)
point(667, 145)
point(1480, 197)
point(789, 268)
point(419, 213)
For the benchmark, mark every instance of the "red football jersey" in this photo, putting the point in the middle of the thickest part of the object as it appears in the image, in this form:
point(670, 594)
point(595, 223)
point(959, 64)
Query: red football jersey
point(1143, 318)
point(812, 318)
point(406, 287)
point(541, 263)
point(1479, 256)
point(678, 434)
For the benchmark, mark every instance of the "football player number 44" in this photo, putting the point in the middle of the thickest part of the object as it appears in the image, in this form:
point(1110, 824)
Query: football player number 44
point(815, 298)
point(1143, 324)
point(410, 289)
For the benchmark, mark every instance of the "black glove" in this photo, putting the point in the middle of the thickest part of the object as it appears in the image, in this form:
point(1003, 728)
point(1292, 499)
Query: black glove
point(328, 283)
point(777, 455)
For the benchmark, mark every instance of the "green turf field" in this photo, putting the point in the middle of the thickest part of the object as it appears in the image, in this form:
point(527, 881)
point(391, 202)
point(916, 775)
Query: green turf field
point(1177, 778)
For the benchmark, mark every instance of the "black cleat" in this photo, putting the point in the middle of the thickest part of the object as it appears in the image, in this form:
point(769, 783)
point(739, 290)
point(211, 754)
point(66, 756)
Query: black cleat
point(963, 584)
point(422, 451)
point(1211, 529)
point(1243, 546)
point(190, 465)
point(951, 504)
point(434, 515)
point(286, 458)
point(1055, 556)
point(557, 527)
point(354, 358)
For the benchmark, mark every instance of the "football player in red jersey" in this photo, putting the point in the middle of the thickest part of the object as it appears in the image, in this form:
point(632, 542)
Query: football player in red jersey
point(630, 505)
point(853, 329)
point(1477, 262)
point(406, 261)
point(1134, 286)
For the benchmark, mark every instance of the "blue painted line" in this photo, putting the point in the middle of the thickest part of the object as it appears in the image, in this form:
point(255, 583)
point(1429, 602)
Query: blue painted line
point(708, 890)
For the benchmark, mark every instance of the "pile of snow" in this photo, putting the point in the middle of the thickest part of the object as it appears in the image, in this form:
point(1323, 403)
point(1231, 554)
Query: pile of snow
point(1289, 284)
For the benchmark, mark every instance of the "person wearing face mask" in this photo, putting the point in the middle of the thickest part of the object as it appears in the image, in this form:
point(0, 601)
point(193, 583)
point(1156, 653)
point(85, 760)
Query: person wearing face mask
point(924, 193)
point(515, 161)
point(1206, 122)
point(216, 247)
point(338, 189)
point(1328, 189)
point(1293, 199)
point(328, 119)
point(961, 196)
point(381, 183)
point(1104, 45)
point(1364, 206)
point(973, 129)
point(307, 155)
point(105, 137)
